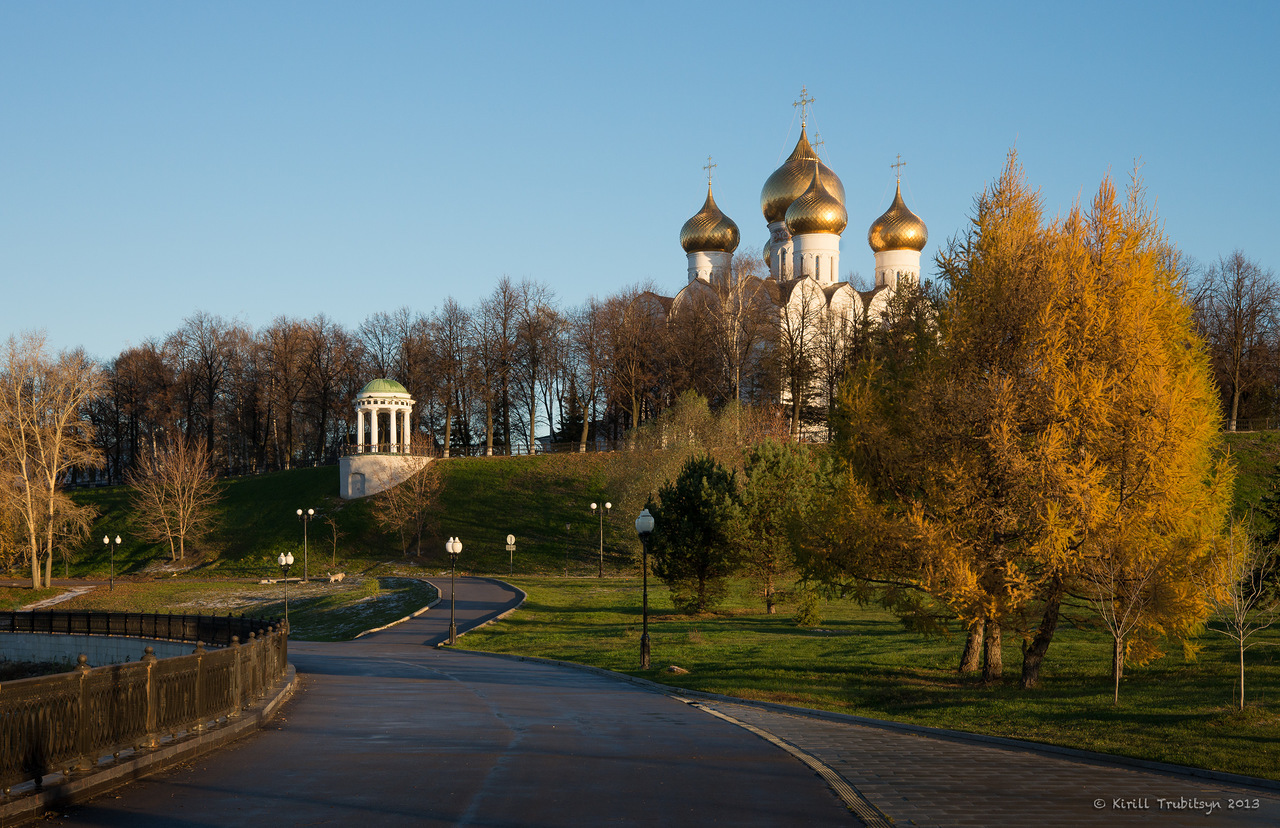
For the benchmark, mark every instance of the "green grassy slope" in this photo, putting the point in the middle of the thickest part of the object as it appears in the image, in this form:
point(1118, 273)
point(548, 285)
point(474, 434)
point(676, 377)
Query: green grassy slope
point(484, 500)
point(256, 520)
point(1256, 455)
point(534, 498)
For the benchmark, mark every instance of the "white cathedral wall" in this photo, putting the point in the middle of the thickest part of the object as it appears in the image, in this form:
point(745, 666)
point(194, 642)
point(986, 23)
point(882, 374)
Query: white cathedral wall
point(780, 251)
point(894, 264)
point(703, 264)
point(817, 255)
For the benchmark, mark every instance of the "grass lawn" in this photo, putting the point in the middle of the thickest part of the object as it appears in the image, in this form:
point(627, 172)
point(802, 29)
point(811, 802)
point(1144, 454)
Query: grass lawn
point(861, 661)
point(318, 610)
point(15, 598)
point(484, 499)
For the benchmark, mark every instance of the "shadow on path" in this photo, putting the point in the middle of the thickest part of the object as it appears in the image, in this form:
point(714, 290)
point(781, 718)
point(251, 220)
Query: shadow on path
point(387, 730)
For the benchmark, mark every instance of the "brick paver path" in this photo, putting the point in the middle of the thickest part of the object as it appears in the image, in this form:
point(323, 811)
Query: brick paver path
point(915, 779)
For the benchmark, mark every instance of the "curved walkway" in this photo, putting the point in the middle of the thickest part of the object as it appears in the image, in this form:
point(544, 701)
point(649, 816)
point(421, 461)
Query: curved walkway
point(387, 730)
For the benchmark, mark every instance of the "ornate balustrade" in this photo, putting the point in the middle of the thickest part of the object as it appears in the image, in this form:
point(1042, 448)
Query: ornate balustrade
point(69, 722)
point(214, 631)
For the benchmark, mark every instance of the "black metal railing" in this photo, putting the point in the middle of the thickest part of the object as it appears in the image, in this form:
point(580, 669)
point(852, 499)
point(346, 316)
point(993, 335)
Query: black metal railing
point(212, 630)
point(67, 723)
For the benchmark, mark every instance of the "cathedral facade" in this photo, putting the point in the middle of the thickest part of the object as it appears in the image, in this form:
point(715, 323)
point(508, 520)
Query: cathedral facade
point(803, 206)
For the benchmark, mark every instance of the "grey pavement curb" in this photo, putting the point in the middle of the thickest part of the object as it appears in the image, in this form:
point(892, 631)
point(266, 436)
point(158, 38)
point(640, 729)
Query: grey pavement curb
point(934, 732)
point(96, 782)
point(408, 617)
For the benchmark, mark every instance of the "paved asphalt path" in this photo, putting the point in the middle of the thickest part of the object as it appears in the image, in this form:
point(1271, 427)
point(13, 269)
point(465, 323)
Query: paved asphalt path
point(388, 731)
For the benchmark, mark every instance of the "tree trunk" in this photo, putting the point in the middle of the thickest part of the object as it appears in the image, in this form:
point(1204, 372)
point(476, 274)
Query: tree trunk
point(971, 659)
point(992, 657)
point(1034, 655)
point(1117, 667)
point(586, 426)
point(448, 429)
point(488, 428)
point(1242, 674)
point(533, 425)
point(35, 565)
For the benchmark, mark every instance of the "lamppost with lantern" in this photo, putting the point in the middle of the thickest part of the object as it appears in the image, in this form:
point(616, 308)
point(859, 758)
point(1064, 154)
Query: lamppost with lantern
point(306, 518)
point(603, 512)
point(454, 548)
point(106, 539)
point(286, 561)
point(644, 527)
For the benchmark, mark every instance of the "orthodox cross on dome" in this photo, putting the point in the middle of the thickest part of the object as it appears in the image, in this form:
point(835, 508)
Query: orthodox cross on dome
point(803, 102)
point(709, 167)
point(897, 168)
point(817, 141)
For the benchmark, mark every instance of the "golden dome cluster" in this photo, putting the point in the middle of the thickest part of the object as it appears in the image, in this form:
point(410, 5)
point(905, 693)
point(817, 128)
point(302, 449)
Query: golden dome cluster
point(817, 210)
point(898, 228)
point(709, 230)
point(792, 179)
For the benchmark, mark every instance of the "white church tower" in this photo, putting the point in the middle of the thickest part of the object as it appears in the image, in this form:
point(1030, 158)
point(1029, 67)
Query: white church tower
point(815, 221)
point(709, 239)
point(897, 238)
point(781, 189)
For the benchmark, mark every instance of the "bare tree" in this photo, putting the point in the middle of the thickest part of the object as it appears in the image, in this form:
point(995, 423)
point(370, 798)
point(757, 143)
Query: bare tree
point(329, 356)
point(411, 508)
point(205, 350)
point(496, 350)
point(634, 348)
point(1250, 603)
point(802, 308)
point(175, 495)
point(587, 354)
point(331, 520)
point(536, 324)
point(1236, 308)
point(380, 337)
point(284, 345)
point(741, 318)
point(451, 340)
point(44, 435)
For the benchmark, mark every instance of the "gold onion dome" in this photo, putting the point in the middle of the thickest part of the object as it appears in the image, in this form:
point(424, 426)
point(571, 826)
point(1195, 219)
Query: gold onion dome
point(817, 210)
point(898, 228)
point(709, 230)
point(789, 181)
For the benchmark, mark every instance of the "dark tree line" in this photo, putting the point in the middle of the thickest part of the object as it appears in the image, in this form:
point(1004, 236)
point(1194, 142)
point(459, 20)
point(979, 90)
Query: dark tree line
point(493, 378)
point(1237, 311)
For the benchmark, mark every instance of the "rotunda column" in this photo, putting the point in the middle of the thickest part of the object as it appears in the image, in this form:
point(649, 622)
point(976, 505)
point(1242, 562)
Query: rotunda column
point(373, 430)
point(359, 429)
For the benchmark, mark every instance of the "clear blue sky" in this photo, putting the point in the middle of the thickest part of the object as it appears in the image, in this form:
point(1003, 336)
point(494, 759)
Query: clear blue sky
point(253, 159)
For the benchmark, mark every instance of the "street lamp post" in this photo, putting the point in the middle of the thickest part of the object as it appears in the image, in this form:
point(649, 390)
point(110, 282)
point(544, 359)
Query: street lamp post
point(286, 561)
point(113, 547)
point(644, 526)
point(603, 512)
point(454, 548)
point(305, 517)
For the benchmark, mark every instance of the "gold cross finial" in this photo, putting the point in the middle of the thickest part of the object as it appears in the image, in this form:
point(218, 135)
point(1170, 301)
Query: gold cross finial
point(817, 140)
point(803, 102)
point(897, 168)
point(709, 167)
